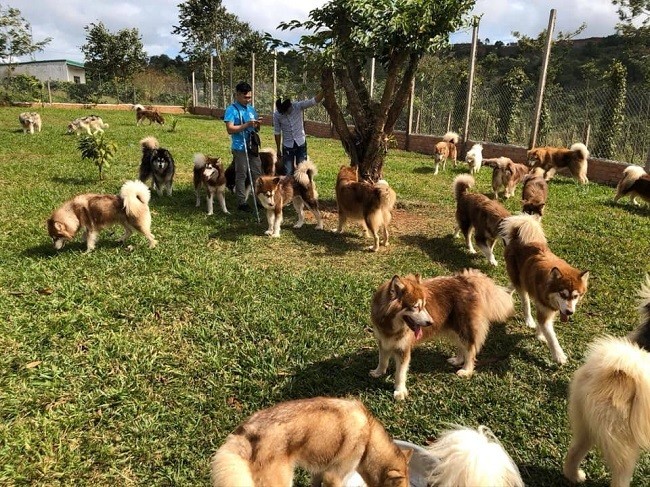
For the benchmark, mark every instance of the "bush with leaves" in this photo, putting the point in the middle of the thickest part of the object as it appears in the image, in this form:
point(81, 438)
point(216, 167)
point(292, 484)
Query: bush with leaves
point(510, 105)
point(20, 88)
point(98, 149)
point(612, 116)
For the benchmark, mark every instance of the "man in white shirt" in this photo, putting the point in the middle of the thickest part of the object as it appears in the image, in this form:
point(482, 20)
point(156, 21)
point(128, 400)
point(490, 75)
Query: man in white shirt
point(289, 130)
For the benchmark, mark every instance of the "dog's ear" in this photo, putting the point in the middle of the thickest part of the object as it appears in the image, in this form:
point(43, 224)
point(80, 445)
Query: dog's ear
point(418, 278)
point(555, 274)
point(408, 453)
point(396, 287)
point(258, 185)
point(276, 180)
point(584, 276)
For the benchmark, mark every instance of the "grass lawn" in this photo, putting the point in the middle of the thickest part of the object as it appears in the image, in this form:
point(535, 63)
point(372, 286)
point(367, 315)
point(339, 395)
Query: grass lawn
point(129, 366)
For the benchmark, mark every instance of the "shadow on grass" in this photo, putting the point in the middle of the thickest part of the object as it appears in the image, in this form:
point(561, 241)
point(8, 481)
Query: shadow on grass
point(446, 249)
point(534, 475)
point(425, 169)
point(627, 205)
point(82, 181)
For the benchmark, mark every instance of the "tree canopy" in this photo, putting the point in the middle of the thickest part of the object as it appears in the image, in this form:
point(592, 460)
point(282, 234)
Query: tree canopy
point(345, 35)
point(113, 57)
point(15, 35)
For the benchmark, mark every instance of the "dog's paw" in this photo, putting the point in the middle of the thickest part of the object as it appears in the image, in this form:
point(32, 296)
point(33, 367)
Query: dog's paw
point(560, 358)
point(577, 476)
point(319, 226)
point(530, 322)
point(400, 395)
point(540, 336)
point(299, 225)
point(153, 243)
point(372, 248)
point(268, 232)
point(226, 212)
point(457, 361)
point(464, 373)
point(471, 251)
point(275, 235)
point(210, 213)
point(493, 261)
point(376, 373)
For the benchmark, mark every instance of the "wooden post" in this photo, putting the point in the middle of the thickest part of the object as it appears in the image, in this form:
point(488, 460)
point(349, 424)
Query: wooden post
point(211, 82)
point(49, 91)
point(194, 100)
point(253, 79)
point(275, 80)
point(542, 80)
point(587, 134)
point(470, 84)
point(409, 127)
point(449, 121)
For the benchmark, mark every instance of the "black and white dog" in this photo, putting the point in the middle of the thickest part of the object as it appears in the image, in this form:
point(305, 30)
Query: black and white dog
point(157, 163)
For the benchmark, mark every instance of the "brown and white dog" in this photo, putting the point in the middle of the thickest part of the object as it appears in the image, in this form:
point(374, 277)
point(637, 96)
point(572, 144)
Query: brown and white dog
point(91, 124)
point(407, 311)
point(609, 400)
point(275, 192)
point(96, 211)
point(634, 183)
point(30, 121)
point(271, 166)
point(209, 173)
point(369, 203)
point(534, 192)
point(141, 113)
point(537, 273)
point(505, 174)
point(445, 149)
point(554, 158)
point(266, 448)
point(479, 215)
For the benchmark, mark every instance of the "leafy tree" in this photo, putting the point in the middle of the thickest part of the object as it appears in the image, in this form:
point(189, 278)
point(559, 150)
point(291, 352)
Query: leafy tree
point(631, 10)
point(613, 114)
point(15, 36)
point(510, 116)
point(208, 28)
point(346, 34)
point(111, 57)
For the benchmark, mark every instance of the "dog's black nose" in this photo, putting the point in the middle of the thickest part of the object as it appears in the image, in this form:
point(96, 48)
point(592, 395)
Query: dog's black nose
point(568, 312)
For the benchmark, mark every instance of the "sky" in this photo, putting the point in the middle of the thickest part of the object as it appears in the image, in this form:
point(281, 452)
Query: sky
point(64, 20)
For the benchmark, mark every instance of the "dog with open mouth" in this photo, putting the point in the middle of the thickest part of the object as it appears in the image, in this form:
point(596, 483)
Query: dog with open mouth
point(409, 310)
point(537, 273)
point(209, 173)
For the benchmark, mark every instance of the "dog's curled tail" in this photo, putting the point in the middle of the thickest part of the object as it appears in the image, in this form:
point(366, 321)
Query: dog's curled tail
point(304, 175)
point(462, 184)
point(630, 175)
point(472, 458)
point(526, 229)
point(495, 301)
point(625, 368)
point(199, 161)
point(385, 194)
point(228, 468)
point(451, 137)
point(149, 143)
point(582, 149)
point(138, 107)
point(136, 196)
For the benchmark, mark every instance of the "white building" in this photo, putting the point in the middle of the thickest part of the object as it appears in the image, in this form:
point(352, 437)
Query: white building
point(56, 70)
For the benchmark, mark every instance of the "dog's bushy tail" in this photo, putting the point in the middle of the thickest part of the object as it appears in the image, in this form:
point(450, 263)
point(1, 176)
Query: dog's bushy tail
point(385, 194)
point(495, 302)
point(199, 161)
point(525, 229)
point(582, 149)
point(137, 107)
point(304, 176)
point(630, 175)
point(451, 137)
point(462, 184)
point(472, 458)
point(624, 367)
point(228, 468)
point(136, 196)
point(149, 143)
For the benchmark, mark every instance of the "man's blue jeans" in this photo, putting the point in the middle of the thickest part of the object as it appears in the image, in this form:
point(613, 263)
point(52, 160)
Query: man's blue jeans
point(292, 156)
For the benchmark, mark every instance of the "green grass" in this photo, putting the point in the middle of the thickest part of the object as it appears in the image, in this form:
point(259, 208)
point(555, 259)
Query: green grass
point(130, 366)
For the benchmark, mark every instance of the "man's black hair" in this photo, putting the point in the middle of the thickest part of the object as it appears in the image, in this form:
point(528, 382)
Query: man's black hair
point(243, 87)
point(283, 106)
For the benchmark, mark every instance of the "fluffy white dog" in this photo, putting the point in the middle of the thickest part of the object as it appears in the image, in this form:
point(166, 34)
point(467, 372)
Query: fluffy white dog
point(474, 158)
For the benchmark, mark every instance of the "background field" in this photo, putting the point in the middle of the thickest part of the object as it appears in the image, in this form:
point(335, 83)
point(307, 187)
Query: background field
point(130, 366)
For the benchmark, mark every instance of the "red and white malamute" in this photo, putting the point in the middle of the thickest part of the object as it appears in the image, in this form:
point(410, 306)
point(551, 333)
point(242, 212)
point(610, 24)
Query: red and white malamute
point(407, 311)
point(209, 172)
point(537, 273)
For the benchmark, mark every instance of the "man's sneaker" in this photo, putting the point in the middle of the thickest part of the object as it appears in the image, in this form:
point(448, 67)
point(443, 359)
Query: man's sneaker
point(244, 207)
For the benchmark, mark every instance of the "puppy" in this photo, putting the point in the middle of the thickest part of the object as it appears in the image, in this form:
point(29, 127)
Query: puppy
point(268, 446)
point(275, 192)
point(479, 215)
point(472, 458)
point(90, 124)
point(554, 158)
point(474, 158)
point(537, 273)
point(96, 211)
point(158, 164)
point(446, 149)
point(609, 401)
point(635, 183)
point(369, 203)
point(30, 121)
point(505, 174)
point(141, 113)
point(209, 172)
point(534, 192)
point(407, 311)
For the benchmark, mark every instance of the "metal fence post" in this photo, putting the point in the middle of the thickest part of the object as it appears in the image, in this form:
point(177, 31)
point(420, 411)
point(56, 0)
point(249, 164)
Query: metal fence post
point(542, 80)
point(409, 127)
point(253, 79)
point(275, 80)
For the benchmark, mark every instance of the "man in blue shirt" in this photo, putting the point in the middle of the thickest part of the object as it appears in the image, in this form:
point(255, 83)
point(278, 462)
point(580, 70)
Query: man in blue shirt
point(289, 130)
point(241, 120)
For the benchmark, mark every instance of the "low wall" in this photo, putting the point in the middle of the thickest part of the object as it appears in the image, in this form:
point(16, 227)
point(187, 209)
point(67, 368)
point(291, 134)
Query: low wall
point(601, 171)
point(171, 109)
